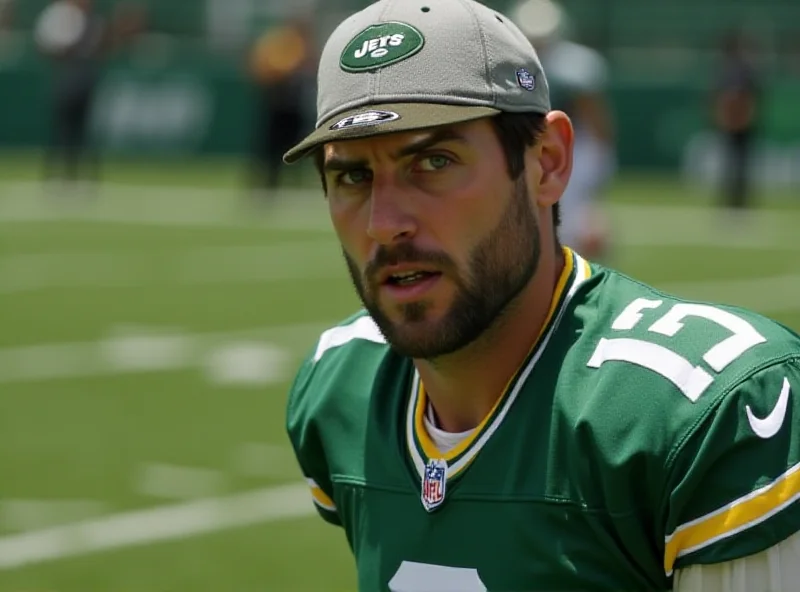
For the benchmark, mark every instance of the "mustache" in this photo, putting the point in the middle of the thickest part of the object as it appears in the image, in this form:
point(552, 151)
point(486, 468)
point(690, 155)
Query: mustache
point(404, 253)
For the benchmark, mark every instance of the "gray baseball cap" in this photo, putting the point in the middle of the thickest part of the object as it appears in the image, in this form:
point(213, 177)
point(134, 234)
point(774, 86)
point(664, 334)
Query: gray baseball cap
point(401, 65)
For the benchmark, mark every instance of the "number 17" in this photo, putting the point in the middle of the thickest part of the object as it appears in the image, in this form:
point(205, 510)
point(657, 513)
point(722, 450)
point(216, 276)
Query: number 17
point(692, 380)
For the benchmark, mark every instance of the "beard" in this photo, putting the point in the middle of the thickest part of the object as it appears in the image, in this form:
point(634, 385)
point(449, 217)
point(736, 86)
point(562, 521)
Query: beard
point(499, 267)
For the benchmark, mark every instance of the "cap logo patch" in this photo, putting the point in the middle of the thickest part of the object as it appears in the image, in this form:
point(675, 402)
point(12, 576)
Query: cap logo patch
point(526, 79)
point(365, 118)
point(380, 45)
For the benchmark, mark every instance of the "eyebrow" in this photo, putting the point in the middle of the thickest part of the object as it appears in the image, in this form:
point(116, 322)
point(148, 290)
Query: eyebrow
point(338, 163)
point(442, 135)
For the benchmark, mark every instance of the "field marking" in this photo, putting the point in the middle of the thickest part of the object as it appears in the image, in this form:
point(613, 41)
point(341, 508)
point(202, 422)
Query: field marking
point(130, 349)
point(169, 481)
point(29, 514)
point(280, 262)
point(304, 209)
point(260, 459)
point(247, 363)
point(262, 355)
point(154, 205)
point(660, 225)
point(160, 524)
point(285, 261)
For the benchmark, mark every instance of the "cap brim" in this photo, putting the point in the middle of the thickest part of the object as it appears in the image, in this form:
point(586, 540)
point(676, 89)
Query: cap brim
point(401, 117)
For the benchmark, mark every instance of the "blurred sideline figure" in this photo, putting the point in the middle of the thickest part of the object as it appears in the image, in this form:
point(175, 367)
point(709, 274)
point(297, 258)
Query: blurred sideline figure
point(735, 112)
point(281, 65)
point(8, 37)
point(77, 39)
point(578, 78)
point(6, 15)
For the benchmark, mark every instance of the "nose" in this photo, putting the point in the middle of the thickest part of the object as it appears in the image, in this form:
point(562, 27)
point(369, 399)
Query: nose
point(390, 217)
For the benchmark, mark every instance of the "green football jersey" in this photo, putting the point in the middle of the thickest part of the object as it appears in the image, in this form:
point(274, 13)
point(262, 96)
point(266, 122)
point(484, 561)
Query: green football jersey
point(643, 433)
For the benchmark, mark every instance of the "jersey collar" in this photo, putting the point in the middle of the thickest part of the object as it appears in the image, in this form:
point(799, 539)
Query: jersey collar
point(419, 444)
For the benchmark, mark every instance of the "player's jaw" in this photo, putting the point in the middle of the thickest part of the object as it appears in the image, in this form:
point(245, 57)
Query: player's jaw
point(427, 306)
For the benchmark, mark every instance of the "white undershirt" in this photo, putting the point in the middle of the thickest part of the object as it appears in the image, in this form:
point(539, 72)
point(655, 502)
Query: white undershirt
point(775, 570)
point(445, 441)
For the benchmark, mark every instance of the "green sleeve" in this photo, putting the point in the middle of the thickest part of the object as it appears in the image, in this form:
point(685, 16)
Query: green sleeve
point(302, 409)
point(734, 482)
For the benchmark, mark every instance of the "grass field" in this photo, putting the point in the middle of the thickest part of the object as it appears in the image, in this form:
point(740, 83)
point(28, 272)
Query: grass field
point(148, 337)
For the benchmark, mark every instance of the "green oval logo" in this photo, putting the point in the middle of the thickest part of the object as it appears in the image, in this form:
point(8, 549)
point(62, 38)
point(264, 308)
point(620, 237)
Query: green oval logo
point(380, 45)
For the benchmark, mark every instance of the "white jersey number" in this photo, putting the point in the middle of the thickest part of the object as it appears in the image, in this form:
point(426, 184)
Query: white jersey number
point(692, 380)
point(424, 577)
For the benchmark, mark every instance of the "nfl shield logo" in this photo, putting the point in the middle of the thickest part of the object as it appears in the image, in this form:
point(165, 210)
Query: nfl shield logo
point(526, 79)
point(433, 485)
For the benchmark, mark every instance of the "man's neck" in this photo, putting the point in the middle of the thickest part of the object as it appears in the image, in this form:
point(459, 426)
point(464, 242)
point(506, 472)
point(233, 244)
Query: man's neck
point(463, 387)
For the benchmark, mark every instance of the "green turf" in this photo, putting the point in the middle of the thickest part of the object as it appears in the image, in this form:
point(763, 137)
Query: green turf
point(87, 437)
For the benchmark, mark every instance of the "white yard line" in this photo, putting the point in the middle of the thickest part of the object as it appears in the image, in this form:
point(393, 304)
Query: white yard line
point(228, 357)
point(260, 356)
point(280, 262)
point(30, 514)
point(304, 209)
point(154, 205)
point(164, 523)
point(248, 363)
point(169, 481)
point(259, 459)
point(658, 225)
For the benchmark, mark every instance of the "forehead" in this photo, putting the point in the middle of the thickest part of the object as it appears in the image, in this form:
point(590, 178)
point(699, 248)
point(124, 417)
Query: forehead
point(471, 133)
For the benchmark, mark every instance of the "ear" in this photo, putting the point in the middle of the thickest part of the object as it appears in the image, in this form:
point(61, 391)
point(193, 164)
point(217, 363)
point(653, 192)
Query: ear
point(551, 159)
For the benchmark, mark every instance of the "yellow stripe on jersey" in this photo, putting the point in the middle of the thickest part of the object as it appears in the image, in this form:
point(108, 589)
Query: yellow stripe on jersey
point(738, 516)
point(428, 446)
point(320, 497)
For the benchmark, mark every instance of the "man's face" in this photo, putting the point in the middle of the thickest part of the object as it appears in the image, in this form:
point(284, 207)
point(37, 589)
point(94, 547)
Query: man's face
point(438, 240)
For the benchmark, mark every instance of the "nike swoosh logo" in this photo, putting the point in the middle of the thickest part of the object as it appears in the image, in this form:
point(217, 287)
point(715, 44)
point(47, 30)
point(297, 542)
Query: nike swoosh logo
point(768, 426)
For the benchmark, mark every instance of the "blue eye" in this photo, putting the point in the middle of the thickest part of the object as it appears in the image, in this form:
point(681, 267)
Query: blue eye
point(434, 162)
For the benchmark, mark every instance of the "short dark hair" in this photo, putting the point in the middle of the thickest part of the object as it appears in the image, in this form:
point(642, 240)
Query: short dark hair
point(515, 131)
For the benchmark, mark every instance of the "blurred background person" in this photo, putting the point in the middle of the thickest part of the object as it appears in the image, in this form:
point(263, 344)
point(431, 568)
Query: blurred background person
point(77, 40)
point(736, 108)
point(73, 36)
point(282, 67)
point(578, 79)
point(6, 15)
point(8, 37)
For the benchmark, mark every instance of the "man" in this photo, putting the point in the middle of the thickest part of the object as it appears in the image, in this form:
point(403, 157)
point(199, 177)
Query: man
point(280, 64)
point(74, 36)
point(506, 415)
point(736, 112)
point(78, 39)
point(578, 79)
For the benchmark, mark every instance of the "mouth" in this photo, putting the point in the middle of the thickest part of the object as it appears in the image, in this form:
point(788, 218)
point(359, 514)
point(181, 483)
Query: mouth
point(409, 278)
point(407, 284)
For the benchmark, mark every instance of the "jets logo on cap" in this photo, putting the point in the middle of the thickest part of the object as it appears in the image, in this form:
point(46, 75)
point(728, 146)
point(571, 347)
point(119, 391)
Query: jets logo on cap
point(365, 118)
point(380, 45)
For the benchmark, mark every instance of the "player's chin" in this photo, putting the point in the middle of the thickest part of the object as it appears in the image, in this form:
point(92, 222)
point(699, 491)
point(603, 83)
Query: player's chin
point(418, 312)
